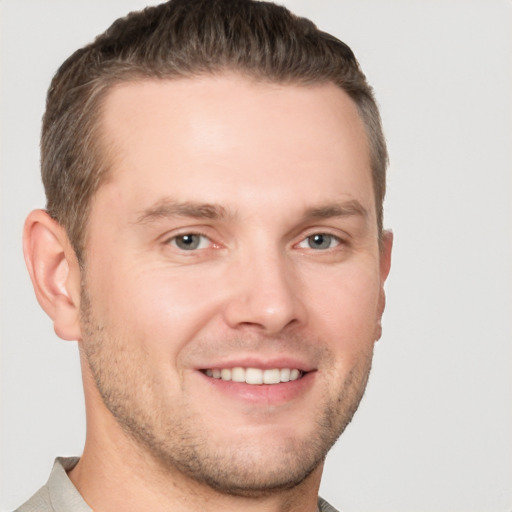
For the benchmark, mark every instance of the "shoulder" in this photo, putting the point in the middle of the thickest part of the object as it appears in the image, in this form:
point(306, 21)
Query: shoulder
point(58, 494)
point(40, 502)
point(323, 506)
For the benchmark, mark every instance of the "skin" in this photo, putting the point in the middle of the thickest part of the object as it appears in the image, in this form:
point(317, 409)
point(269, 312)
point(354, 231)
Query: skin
point(256, 170)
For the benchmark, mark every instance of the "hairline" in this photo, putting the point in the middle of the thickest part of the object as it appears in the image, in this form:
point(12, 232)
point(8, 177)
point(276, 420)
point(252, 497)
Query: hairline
point(104, 153)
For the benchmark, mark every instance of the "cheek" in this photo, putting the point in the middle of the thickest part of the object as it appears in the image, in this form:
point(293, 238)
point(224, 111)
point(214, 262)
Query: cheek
point(156, 308)
point(344, 306)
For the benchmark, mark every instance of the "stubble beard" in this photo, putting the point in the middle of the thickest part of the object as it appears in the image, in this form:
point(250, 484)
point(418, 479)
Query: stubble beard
point(175, 438)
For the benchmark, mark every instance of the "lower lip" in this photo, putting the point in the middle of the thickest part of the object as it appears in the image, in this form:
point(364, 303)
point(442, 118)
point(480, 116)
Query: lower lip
point(268, 394)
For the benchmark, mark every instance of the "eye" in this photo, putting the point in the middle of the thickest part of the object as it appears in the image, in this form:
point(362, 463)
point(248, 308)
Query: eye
point(190, 242)
point(320, 241)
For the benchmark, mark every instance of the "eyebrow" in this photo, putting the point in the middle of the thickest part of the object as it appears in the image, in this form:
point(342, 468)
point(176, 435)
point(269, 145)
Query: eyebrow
point(167, 208)
point(345, 209)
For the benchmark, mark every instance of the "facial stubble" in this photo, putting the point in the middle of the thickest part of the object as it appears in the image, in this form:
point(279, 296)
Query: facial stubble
point(175, 437)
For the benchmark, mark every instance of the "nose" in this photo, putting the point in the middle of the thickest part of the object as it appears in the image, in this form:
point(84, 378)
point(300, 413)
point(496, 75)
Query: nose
point(266, 294)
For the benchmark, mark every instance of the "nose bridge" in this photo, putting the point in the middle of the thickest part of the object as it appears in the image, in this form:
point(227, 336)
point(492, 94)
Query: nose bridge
point(265, 290)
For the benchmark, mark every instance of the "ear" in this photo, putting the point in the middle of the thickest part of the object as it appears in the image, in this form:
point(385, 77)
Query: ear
point(385, 265)
point(54, 271)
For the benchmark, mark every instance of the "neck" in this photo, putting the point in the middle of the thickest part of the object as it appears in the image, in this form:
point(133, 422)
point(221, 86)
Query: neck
point(118, 477)
point(115, 473)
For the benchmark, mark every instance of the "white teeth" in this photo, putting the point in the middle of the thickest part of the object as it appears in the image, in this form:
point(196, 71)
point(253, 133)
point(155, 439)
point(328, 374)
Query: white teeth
point(238, 374)
point(294, 374)
point(285, 374)
point(272, 376)
point(255, 375)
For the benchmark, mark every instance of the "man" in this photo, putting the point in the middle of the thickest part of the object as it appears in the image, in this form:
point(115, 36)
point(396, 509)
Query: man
point(215, 173)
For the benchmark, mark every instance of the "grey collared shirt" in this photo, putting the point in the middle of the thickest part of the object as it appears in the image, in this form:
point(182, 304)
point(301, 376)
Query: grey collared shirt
point(60, 495)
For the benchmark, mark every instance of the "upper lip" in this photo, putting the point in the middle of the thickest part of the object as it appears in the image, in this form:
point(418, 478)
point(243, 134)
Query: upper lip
point(259, 362)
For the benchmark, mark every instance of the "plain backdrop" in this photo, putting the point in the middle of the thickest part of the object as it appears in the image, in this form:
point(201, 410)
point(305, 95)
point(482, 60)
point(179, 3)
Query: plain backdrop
point(434, 431)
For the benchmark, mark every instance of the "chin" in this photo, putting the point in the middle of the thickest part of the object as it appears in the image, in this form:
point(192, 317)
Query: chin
point(253, 471)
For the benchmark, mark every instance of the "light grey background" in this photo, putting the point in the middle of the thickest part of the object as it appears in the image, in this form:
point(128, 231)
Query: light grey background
point(434, 431)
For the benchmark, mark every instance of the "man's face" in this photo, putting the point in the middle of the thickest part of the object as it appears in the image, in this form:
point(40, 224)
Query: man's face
point(235, 236)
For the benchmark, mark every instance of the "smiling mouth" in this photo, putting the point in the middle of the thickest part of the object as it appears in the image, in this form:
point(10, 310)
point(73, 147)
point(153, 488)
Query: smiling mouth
point(255, 376)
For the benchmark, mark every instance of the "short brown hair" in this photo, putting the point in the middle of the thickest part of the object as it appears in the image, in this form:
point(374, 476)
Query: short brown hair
point(185, 38)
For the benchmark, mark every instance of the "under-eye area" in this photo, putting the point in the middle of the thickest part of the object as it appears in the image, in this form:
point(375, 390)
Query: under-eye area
point(255, 376)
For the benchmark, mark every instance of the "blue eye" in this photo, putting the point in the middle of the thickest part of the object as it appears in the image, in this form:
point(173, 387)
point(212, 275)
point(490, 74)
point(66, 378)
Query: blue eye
point(190, 242)
point(320, 241)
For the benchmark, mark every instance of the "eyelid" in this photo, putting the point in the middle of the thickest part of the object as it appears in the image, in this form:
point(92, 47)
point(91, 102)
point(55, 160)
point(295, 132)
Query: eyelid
point(171, 235)
point(172, 241)
point(339, 241)
point(334, 232)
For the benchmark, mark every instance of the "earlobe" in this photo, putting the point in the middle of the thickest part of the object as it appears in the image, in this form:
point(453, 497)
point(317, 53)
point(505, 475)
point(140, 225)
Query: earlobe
point(385, 266)
point(54, 271)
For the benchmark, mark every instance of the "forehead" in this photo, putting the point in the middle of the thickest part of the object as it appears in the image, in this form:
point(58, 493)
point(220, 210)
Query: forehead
point(195, 136)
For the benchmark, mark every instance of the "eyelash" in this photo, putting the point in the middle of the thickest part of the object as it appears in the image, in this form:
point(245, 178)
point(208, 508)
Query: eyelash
point(174, 241)
point(321, 235)
point(305, 243)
